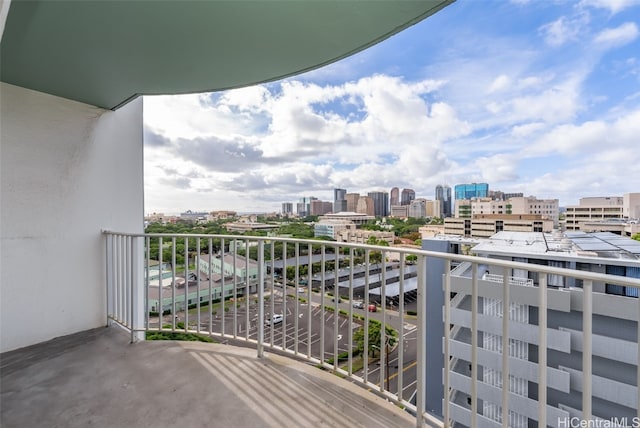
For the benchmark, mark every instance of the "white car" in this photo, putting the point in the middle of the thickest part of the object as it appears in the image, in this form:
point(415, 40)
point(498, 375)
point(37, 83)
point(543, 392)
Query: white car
point(275, 319)
point(301, 290)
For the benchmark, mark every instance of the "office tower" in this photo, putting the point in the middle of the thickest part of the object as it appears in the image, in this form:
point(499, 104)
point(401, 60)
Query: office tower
point(380, 203)
point(320, 207)
point(304, 206)
point(470, 191)
point(443, 194)
point(407, 196)
point(418, 208)
point(352, 202)
point(366, 205)
point(395, 196)
point(339, 200)
point(287, 208)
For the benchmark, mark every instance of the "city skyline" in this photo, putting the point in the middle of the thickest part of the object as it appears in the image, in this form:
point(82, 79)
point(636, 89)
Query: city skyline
point(535, 97)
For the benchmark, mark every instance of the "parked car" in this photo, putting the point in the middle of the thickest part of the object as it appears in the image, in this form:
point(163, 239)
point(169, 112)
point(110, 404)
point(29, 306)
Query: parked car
point(372, 308)
point(302, 290)
point(358, 304)
point(275, 319)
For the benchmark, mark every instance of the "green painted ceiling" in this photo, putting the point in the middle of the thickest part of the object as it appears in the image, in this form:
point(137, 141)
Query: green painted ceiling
point(107, 52)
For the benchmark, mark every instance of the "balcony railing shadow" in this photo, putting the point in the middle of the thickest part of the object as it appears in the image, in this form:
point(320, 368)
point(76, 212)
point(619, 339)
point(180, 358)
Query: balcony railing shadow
point(96, 378)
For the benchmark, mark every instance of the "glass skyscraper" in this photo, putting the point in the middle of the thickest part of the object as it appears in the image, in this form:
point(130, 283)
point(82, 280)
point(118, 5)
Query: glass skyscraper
point(443, 194)
point(339, 200)
point(473, 190)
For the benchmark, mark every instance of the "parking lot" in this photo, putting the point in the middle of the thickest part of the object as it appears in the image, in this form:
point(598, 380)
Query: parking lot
point(312, 328)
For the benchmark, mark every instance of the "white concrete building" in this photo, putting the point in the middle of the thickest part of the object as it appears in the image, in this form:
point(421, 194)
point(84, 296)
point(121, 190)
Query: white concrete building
point(331, 228)
point(605, 208)
point(612, 329)
point(360, 236)
point(547, 208)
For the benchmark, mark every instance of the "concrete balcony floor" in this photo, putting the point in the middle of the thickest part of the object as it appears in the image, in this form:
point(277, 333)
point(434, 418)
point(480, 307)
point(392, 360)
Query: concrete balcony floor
point(96, 378)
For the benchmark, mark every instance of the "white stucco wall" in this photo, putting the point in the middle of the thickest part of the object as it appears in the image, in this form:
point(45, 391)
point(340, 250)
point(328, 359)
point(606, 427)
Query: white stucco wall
point(67, 171)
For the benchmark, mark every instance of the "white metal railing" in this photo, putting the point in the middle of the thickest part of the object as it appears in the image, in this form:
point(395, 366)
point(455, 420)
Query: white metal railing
point(230, 287)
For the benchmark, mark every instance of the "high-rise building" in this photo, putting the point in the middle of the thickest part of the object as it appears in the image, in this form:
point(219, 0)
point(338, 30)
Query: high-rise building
point(365, 205)
point(418, 208)
point(287, 208)
point(421, 208)
point(352, 202)
point(320, 207)
point(443, 194)
point(407, 196)
point(380, 203)
point(395, 196)
point(339, 200)
point(470, 191)
point(303, 207)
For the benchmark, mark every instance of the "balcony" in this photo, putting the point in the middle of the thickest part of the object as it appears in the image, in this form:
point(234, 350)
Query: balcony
point(570, 349)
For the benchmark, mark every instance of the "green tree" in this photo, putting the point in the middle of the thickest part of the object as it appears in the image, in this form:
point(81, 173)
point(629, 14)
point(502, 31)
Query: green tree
point(374, 334)
point(636, 237)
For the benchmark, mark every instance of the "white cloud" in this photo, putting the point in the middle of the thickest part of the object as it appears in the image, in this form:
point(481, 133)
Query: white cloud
point(192, 116)
point(564, 29)
point(500, 83)
point(613, 37)
point(614, 6)
point(506, 109)
point(497, 168)
point(569, 139)
point(526, 130)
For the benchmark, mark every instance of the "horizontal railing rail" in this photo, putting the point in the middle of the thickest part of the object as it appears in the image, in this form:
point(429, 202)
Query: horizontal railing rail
point(392, 338)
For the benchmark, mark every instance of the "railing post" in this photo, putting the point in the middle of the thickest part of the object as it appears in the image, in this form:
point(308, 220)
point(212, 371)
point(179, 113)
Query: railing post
point(587, 310)
point(542, 352)
point(474, 345)
point(260, 298)
point(138, 290)
point(505, 345)
point(447, 338)
point(109, 275)
point(421, 341)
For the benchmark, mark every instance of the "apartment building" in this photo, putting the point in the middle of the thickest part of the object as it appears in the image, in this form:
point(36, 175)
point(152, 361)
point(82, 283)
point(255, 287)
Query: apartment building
point(612, 328)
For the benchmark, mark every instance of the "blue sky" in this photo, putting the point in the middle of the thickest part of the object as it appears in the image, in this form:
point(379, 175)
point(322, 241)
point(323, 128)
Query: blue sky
point(540, 97)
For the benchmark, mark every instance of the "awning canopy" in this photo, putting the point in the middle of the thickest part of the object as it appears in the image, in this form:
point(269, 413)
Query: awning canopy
point(105, 53)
